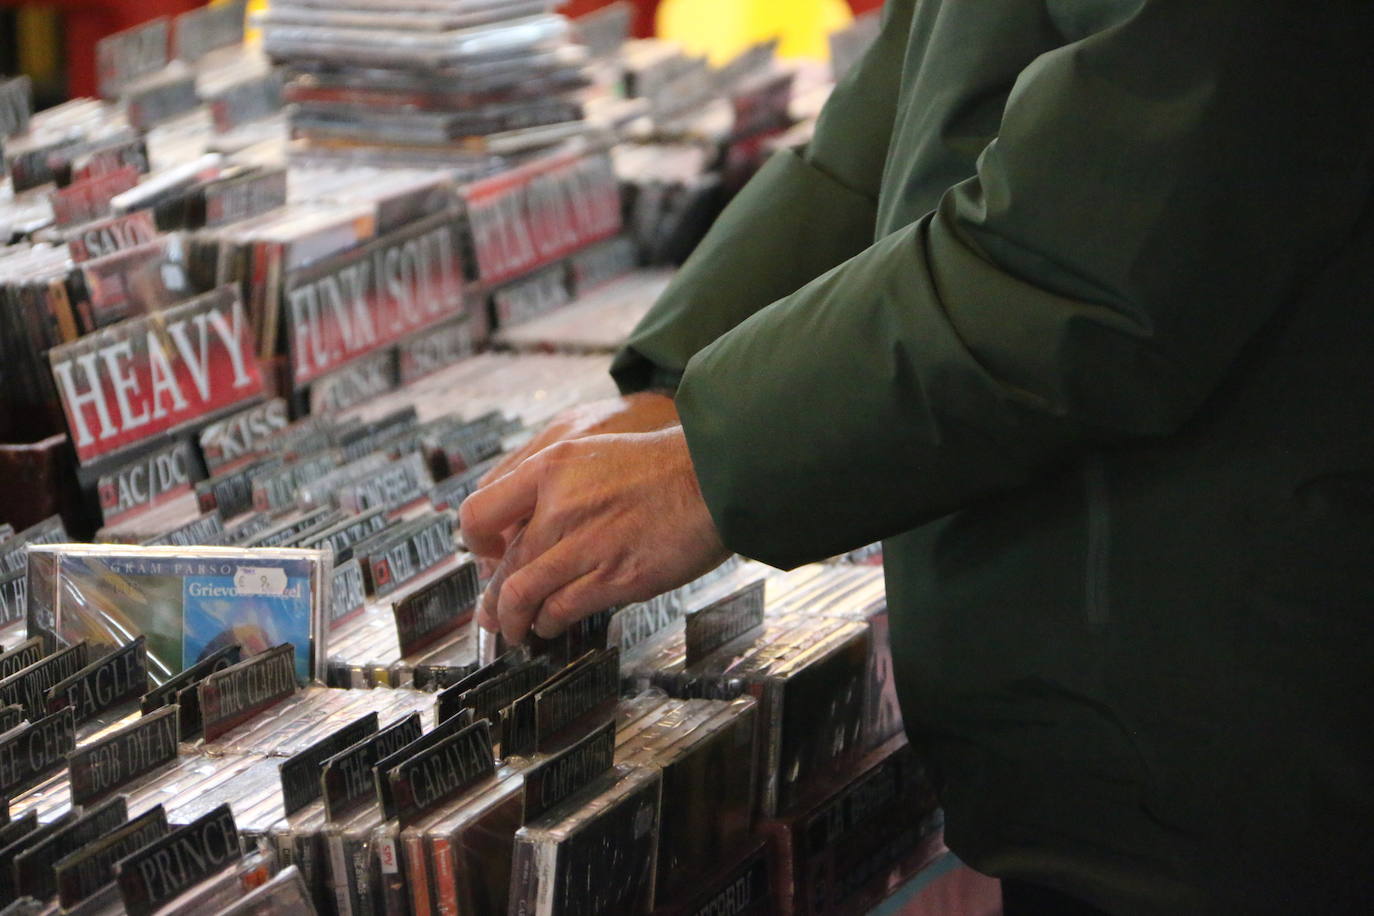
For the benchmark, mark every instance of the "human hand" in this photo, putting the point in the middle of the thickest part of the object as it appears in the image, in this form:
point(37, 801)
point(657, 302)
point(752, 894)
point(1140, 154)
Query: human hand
point(634, 413)
point(599, 521)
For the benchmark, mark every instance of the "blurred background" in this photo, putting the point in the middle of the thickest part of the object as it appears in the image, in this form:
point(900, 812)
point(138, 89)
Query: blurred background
point(54, 42)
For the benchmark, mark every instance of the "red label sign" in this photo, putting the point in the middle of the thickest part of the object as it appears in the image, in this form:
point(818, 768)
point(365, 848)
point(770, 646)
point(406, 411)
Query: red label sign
point(534, 215)
point(370, 298)
point(156, 373)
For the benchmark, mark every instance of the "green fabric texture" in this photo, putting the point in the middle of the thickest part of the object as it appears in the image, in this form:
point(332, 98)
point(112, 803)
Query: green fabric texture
point(1068, 300)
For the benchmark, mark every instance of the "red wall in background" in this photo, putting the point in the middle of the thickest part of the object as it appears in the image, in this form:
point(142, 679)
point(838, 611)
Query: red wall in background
point(644, 22)
point(84, 22)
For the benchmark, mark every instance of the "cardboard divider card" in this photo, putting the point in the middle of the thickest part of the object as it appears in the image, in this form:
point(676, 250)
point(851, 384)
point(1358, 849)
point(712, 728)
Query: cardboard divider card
point(16, 105)
point(342, 536)
point(206, 531)
point(363, 300)
point(34, 867)
point(724, 621)
point(29, 686)
point(198, 32)
point(119, 677)
point(441, 732)
point(348, 593)
point(160, 98)
point(346, 777)
point(89, 199)
point(231, 697)
point(147, 481)
point(35, 751)
point(364, 378)
point(424, 616)
point(434, 349)
point(586, 688)
point(113, 762)
point(287, 533)
point(242, 435)
point(442, 772)
point(124, 57)
point(8, 854)
point(301, 781)
point(531, 216)
point(91, 868)
point(184, 857)
point(245, 101)
point(48, 531)
point(391, 561)
point(231, 492)
point(21, 656)
point(156, 373)
point(556, 779)
point(166, 693)
point(450, 492)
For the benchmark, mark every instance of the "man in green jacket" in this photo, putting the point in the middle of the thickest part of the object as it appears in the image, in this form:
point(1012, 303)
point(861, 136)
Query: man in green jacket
point(1070, 301)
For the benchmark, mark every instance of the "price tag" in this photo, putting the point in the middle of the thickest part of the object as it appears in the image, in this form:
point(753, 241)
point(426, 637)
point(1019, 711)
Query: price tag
point(253, 580)
point(387, 852)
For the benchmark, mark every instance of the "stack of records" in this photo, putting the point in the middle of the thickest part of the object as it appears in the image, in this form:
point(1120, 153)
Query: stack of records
point(455, 76)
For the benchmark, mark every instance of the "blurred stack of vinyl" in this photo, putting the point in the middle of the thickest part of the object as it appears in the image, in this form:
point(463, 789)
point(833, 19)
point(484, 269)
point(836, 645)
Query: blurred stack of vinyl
point(430, 77)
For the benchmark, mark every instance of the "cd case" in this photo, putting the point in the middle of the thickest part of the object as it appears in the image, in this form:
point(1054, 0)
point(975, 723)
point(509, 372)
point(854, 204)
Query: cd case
point(188, 602)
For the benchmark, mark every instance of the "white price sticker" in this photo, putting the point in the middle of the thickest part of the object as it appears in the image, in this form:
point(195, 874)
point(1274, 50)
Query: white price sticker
point(386, 851)
point(255, 580)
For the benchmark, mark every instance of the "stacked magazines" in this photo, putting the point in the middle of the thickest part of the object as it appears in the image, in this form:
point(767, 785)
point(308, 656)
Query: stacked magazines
point(476, 76)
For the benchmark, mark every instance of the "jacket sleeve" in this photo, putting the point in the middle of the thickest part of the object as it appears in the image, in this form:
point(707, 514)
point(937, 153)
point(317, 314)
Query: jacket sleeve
point(803, 213)
point(1156, 193)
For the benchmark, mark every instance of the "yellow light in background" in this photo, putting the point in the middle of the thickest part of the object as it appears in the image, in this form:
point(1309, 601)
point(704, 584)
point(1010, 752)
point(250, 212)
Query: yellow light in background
point(253, 35)
point(721, 29)
point(40, 53)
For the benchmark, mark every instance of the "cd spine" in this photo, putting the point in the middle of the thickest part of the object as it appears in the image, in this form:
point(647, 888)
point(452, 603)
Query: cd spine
point(415, 874)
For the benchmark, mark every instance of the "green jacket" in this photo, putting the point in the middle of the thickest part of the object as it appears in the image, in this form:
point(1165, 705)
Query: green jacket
point(1071, 301)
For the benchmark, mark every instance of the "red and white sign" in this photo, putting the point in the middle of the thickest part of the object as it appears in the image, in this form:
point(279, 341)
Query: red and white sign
point(156, 373)
point(543, 211)
point(374, 296)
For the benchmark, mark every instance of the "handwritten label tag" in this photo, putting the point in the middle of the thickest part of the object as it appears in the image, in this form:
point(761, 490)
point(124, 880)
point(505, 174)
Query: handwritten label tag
point(252, 580)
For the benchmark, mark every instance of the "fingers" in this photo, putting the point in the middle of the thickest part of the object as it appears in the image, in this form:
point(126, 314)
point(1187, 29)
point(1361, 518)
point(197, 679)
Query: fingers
point(580, 598)
point(526, 589)
point(511, 460)
point(489, 512)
